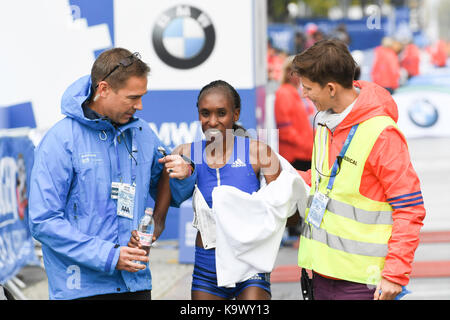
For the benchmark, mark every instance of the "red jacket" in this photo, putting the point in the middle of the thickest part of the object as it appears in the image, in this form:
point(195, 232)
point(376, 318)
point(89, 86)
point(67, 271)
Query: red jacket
point(438, 54)
point(411, 59)
point(388, 176)
point(386, 68)
point(292, 120)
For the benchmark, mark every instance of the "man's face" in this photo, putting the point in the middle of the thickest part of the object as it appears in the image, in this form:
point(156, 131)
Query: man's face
point(120, 105)
point(318, 95)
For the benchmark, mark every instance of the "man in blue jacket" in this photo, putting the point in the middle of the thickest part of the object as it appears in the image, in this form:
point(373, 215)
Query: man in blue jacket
point(93, 173)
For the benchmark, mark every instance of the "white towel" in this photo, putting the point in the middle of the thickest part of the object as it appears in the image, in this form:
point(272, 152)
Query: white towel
point(249, 228)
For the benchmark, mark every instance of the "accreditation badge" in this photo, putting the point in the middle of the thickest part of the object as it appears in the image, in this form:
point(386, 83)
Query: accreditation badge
point(317, 209)
point(115, 186)
point(125, 202)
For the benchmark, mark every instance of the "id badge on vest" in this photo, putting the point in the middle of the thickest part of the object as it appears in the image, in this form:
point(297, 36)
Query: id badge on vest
point(317, 209)
point(125, 201)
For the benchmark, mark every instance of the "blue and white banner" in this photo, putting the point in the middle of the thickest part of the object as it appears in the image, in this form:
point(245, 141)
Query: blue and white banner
point(16, 244)
point(282, 36)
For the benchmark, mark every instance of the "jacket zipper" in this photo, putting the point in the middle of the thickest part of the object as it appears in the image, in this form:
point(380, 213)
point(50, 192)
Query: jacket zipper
point(218, 176)
point(75, 216)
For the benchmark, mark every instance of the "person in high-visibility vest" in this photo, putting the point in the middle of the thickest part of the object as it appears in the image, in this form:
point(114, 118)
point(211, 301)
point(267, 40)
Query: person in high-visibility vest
point(365, 208)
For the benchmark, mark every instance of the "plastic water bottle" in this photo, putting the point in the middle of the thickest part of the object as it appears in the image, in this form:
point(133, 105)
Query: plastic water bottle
point(146, 229)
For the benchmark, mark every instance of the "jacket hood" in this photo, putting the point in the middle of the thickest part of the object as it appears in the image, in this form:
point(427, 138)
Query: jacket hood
point(74, 96)
point(72, 101)
point(372, 101)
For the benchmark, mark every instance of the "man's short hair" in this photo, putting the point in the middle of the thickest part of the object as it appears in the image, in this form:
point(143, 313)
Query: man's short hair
point(326, 61)
point(108, 60)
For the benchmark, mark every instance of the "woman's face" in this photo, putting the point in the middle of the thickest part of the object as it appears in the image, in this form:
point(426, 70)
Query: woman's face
point(217, 114)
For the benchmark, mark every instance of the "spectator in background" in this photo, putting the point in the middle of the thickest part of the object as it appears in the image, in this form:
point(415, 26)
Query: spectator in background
point(341, 33)
point(438, 53)
point(293, 124)
point(292, 121)
point(318, 36)
point(410, 59)
point(300, 41)
point(310, 29)
point(386, 66)
point(275, 65)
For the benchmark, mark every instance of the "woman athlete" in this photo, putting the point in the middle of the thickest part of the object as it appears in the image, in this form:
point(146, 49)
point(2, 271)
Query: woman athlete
point(226, 158)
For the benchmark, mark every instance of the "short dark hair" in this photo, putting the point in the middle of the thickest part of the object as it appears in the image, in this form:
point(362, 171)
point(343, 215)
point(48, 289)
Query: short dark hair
point(108, 60)
point(326, 61)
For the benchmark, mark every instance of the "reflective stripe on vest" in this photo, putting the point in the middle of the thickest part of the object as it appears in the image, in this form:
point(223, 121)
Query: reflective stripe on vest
point(351, 243)
point(342, 244)
point(360, 215)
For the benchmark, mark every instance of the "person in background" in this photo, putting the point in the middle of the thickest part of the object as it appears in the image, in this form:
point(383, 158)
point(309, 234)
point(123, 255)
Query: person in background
point(300, 41)
point(438, 53)
point(275, 65)
point(410, 59)
point(341, 33)
point(310, 29)
point(295, 132)
point(93, 173)
point(366, 210)
point(386, 66)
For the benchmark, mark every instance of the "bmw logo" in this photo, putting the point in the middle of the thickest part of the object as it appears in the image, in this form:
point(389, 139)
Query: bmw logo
point(423, 113)
point(183, 37)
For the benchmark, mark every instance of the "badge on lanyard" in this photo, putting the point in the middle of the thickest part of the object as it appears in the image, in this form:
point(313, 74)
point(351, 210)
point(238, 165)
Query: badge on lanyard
point(125, 203)
point(317, 209)
point(115, 186)
point(320, 200)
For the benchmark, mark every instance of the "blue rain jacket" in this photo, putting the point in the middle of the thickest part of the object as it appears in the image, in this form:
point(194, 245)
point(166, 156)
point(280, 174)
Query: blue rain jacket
point(70, 207)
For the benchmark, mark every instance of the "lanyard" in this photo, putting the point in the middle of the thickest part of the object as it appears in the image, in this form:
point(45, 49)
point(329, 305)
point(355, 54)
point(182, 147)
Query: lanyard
point(336, 163)
point(341, 155)
point(133, 163)
point(322, 132)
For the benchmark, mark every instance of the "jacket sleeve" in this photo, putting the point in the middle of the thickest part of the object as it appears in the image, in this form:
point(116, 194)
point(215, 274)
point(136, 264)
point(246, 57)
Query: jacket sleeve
point(306, 176)
point(180, 190)
point(390, 162)
point(50, 185)
point(283, 118)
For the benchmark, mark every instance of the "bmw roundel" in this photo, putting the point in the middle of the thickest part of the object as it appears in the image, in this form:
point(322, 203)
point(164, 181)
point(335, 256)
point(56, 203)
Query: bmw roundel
point(183, 37)
point(423, 113)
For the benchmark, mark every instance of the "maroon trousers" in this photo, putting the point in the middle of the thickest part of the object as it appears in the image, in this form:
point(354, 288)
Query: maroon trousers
point(330, 289)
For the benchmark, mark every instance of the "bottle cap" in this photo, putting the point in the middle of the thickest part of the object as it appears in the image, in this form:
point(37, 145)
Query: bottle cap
point(149, 211)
